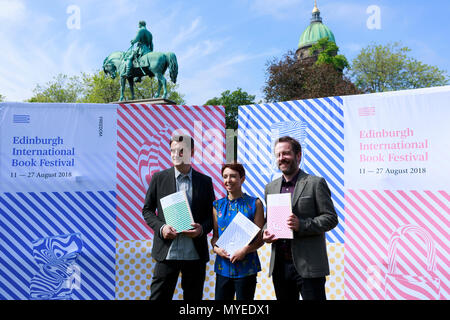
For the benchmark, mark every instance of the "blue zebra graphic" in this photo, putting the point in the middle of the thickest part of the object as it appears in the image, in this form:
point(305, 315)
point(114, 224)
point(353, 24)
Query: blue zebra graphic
point(293, 129)
point(58, 273)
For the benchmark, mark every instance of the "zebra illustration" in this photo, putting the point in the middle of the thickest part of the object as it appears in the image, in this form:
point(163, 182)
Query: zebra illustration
point(58, 272)
point(294, 129)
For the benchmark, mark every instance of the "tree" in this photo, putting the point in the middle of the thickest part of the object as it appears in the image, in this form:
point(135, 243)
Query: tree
point(61, 89)
point(380, 68)
point(2, 98)
point(327, 54)
point(231, 101)
point(290, 79)
point(100, 89)
point(96, 88)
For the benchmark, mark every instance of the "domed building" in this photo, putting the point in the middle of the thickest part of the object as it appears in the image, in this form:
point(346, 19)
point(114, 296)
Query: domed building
point(313, 33)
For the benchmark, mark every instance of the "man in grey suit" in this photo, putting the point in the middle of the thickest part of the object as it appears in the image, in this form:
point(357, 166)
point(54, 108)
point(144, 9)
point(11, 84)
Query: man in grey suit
point(300, 265)
point(186, 252)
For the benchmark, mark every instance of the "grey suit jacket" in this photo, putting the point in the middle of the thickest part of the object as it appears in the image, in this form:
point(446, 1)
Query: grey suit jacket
point(312, 204)
point(163, 184)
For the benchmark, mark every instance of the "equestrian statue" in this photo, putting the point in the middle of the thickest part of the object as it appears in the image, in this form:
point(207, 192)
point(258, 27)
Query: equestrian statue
point(141, 61)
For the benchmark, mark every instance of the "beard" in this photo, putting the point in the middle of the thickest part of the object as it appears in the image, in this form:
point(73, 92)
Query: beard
point(290, 168)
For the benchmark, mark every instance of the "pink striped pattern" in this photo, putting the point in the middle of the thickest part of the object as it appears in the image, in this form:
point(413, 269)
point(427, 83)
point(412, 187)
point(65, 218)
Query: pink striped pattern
point(144, 133)
point(403, 236)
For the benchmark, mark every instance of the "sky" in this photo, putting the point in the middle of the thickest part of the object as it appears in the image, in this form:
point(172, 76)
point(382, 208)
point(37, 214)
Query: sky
point(220, 45)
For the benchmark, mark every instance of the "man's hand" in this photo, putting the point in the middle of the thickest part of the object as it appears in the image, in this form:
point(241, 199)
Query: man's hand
point(195, 232)
point(269, 237)
point(293, 222)
point(169, 232)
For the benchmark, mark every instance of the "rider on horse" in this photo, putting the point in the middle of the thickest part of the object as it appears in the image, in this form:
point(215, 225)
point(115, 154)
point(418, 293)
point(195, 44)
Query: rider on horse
point(144, 45)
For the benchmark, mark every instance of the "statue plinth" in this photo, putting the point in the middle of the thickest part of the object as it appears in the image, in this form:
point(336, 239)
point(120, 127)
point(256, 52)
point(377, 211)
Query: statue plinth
point(147, 101)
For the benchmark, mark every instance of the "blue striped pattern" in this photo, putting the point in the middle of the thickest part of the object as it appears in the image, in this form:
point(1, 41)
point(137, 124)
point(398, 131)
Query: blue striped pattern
point(26, 217)
point(318, 124)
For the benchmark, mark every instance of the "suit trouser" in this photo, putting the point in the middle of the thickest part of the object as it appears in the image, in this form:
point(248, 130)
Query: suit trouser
point(165, 278)
point(289, 284)
point(244, 288)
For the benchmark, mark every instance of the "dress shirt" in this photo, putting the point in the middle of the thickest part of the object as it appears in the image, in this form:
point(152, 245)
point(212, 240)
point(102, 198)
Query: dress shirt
point(182, 247)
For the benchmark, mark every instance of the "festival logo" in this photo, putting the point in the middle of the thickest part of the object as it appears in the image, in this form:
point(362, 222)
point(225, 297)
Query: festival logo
point(399, 284)
point(294, 129)
point(152, 154)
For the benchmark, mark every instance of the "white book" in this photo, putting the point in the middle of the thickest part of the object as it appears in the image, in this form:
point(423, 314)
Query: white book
point(177, 211)
point(239, 233)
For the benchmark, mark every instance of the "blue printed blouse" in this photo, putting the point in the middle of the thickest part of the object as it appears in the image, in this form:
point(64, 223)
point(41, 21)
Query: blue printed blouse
point(226, 210)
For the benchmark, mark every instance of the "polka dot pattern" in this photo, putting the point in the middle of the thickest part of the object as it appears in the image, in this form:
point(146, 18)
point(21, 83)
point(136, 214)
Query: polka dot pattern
point(134, 269)
point(135, 266)
point(334, 286)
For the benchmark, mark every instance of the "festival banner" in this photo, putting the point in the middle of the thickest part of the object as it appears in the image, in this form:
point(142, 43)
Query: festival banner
point(73, 179)
point(397, 195)
point(57, 201)
point(385, 158)
point(318, 124)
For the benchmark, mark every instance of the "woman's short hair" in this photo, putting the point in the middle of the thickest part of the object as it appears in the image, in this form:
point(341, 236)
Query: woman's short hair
point(236, 167)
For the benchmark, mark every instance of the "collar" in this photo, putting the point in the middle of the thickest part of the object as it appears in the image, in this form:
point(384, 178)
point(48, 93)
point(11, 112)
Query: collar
point(178, 173)
point(241, 197)
point(292, 181)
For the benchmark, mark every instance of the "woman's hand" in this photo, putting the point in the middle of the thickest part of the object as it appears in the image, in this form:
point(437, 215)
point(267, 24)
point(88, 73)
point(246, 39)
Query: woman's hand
point(239, 255)
point(221, 252)
point(269, 237)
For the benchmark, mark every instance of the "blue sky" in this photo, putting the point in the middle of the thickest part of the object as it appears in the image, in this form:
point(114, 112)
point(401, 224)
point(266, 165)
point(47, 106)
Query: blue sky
point(220, 45)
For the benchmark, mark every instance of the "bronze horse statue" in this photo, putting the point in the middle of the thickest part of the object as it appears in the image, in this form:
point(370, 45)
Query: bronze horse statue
point(152, 64)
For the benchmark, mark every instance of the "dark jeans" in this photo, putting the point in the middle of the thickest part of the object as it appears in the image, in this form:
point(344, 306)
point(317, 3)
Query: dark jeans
point(165, 279)
point(289, 284)
point(244, 288)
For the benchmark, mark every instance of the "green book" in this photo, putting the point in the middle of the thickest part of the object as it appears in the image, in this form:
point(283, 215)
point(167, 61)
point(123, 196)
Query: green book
point(177, 211)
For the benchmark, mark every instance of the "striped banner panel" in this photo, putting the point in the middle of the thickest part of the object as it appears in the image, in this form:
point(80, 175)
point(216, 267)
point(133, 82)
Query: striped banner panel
point(396, 245)
point(144, 133)
point(317, 124)
point(87, 218)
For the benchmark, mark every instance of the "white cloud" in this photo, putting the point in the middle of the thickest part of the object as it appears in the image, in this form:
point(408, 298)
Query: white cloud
point(352, 14)
point(224, 73)
point(186, 34)
point(198, 50)
point(279, 9)
point(12, 10)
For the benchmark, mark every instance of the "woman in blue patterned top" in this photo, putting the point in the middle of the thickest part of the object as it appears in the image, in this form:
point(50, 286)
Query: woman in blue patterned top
point(236, 274)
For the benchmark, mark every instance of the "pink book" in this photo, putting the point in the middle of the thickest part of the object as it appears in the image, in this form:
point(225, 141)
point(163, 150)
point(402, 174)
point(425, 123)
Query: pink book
point(278, 210)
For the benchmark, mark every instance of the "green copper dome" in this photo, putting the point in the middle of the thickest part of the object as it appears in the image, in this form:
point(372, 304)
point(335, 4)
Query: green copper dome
point(315, 31)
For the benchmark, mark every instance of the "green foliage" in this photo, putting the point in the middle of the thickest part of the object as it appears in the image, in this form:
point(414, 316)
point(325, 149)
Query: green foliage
point(96, 88)
point(100, 89)
point(290, 79)
point(380, 68)
point(231, 101)
point(2, 98)
point(61, 89)
point(147, 88)
point(328, 54)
